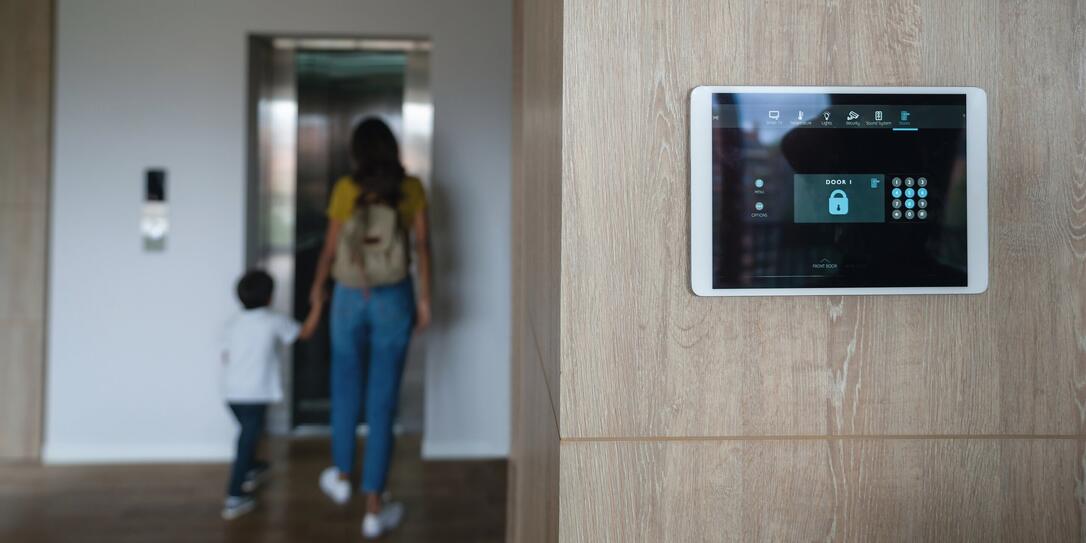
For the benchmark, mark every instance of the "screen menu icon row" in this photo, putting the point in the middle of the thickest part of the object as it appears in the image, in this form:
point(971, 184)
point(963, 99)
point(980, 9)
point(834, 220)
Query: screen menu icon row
point(906, 118)
point(852, 115)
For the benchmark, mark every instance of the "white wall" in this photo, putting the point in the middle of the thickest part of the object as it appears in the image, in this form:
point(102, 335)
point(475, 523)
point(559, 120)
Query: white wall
point(132, 369)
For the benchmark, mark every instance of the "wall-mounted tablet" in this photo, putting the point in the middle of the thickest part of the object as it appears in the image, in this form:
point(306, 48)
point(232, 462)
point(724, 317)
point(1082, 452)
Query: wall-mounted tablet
point(838, 190)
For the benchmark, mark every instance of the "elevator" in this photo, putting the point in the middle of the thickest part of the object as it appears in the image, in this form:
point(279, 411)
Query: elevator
point(306, 94)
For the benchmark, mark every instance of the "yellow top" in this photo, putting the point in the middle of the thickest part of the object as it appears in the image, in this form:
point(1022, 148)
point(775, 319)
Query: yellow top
point(345, 193)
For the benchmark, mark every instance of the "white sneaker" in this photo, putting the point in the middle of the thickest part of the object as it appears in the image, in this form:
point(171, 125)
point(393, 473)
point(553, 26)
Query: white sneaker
point(236, 506)
point(335, 488)
point(373, 525)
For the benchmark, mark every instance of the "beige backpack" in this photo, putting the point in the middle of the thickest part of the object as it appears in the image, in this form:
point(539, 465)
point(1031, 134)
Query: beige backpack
point(372, 249)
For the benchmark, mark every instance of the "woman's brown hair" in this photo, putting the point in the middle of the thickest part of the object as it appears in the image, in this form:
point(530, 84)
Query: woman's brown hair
point(378, 170)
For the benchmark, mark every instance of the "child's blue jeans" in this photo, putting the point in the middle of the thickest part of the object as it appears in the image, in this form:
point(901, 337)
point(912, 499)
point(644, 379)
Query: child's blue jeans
point(370, 333)
point(251, 419)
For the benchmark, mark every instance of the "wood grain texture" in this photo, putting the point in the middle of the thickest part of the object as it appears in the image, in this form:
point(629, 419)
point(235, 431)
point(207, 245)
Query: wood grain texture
point(534, 468)
point(541, 179)
point(1074, 194)
point(26, 30)
point(821, 489)
point(537, 174)
point(26, 37)
point(517, 319)
point(21, 352)
point(23, 233)
point(641, 356)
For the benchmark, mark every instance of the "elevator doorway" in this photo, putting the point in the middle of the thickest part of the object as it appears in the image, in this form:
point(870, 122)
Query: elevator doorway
point(305, 96)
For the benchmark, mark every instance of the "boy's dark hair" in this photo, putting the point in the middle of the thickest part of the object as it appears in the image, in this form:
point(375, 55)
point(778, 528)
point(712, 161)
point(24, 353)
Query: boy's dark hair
point(255, 289)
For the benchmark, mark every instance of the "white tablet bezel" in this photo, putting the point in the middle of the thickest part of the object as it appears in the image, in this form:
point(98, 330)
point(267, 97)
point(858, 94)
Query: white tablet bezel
point(701, 190)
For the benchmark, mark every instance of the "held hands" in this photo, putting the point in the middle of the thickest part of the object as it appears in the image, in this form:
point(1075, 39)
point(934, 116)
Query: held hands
point(309, 327)
point(316, 307)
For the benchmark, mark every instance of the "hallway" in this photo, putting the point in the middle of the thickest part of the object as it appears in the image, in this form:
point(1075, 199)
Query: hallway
point(445, 501)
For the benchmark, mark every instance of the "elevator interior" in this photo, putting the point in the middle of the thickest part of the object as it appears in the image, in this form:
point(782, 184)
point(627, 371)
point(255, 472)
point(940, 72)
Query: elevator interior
point(305, 96)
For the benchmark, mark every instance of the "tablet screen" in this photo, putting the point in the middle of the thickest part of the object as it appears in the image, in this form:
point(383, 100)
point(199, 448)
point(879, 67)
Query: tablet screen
point(839, 190)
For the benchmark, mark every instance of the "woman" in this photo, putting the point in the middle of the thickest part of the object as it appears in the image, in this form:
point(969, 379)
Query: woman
point(372, 315)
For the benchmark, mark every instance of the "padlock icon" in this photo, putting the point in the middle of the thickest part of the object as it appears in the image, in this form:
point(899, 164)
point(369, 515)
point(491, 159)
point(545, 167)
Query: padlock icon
point(838, 202)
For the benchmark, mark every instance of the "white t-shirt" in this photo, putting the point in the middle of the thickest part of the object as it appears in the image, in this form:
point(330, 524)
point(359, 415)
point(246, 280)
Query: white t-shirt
point(251, 355)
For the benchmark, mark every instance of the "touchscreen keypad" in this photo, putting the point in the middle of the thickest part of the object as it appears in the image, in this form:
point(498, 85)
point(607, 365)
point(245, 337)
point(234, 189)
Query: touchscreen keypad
point(908, 198)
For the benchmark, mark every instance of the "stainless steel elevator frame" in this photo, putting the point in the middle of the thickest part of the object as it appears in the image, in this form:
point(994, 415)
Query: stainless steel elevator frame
point(273, 150)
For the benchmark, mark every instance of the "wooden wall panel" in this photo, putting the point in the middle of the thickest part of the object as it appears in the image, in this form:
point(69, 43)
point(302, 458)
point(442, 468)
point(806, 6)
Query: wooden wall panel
point(541, 118)
point(537, 165)
point(643, 357)
point(834, 418)
point(26, 38)
point(534, 464)
point(516, 294)
point(21, 352)
point(821, 489)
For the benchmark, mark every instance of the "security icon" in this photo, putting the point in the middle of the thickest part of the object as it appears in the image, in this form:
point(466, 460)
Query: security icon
point(838, 202)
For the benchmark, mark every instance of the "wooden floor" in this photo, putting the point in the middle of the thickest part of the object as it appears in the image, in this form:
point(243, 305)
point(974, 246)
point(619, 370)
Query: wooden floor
point(445, 501)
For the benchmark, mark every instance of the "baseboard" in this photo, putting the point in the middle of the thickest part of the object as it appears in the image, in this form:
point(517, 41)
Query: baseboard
point(137, 454)
point(223, 452)
point(461, 450)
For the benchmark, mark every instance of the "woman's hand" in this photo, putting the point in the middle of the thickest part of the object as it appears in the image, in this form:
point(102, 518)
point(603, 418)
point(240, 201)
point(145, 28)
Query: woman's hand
point(312, 321)
point(317, 296)
point(422, 315)
point(421, 230)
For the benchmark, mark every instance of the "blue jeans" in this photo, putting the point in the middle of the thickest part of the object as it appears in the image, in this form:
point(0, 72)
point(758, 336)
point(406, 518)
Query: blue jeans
point(374, 329)
point(251, 419)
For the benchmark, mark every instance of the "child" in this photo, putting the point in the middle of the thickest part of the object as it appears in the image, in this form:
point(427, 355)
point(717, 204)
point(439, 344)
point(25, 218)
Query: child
point(251, 377)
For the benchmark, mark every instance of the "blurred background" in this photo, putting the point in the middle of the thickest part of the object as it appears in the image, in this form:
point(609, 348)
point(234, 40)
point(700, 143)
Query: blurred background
point(189, 141)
